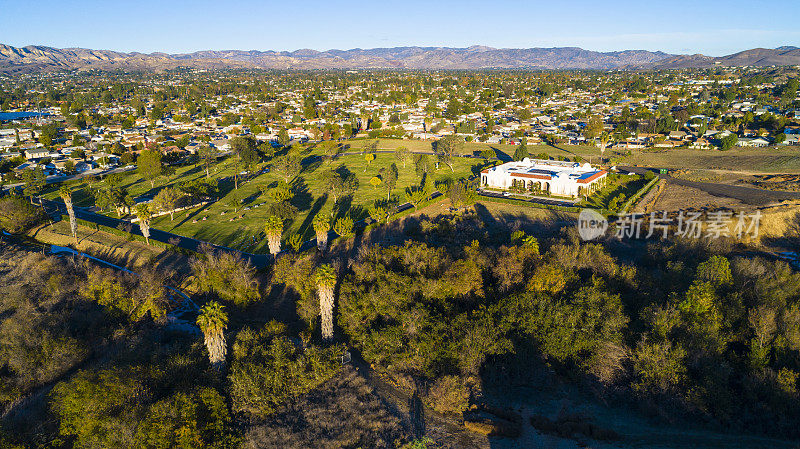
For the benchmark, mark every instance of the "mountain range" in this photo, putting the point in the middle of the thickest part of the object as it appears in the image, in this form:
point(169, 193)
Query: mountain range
point(34, 58)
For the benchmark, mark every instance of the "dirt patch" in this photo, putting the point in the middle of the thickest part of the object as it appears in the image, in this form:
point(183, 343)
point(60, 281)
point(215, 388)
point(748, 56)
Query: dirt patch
point(649, 199)
point(674, 197)
point(491, 421)
point(789, 183)
point(574, 426)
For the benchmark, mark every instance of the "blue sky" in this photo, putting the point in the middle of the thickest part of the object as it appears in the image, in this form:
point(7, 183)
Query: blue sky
point(676, 26)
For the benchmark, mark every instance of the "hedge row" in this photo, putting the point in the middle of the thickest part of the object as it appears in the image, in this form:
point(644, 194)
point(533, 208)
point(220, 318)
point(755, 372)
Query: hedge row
point(638, 195)
point(515, 202)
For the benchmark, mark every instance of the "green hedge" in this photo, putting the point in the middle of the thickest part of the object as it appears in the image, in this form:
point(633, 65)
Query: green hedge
point(523, 203)
point(638, 195)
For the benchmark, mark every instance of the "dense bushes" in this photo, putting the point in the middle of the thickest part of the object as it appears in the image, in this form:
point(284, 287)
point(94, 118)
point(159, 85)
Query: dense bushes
point(154, 396)
point(716, 334)
point(269, 369)
point(17, 215)
point(47, 328)
point(226, 275)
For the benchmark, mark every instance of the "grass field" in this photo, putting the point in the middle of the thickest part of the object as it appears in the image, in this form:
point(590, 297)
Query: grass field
point(217, 222)
point(503, 151)
point(243, 229)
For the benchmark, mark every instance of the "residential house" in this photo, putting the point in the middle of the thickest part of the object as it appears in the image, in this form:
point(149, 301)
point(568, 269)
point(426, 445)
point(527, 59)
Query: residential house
point(36, 153)
point(752, 142)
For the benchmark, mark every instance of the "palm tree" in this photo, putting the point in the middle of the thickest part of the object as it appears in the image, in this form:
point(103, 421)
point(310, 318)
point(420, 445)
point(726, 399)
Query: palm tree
point(321, 226)
point(274, 230)
point(604, 138)
point(66, 195)
point(326, 280)
point(213, 321)
point(144, 214)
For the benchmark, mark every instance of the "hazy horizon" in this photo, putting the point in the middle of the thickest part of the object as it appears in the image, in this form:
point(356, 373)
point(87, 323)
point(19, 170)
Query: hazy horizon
point(713, 28)
point(321, 50)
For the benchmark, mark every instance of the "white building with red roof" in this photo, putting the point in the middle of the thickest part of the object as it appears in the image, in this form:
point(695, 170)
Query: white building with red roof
point(552, 177)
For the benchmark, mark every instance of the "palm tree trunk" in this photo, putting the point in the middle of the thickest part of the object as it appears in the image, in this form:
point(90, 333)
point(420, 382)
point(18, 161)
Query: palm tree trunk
point(326, 300)
point(217, 351)
point(274, 243)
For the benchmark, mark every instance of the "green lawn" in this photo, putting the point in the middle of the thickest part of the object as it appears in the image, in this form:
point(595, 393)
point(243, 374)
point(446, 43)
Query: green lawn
point(503, 150)
point(223, 226)
point(239, 232)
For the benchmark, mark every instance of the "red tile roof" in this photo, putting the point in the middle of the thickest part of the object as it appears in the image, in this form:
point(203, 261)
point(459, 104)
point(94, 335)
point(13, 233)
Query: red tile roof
point(592, 178)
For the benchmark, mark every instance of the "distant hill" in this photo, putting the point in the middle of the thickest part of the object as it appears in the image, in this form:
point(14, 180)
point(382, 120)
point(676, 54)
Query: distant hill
point(36, 58)
point(760, 57)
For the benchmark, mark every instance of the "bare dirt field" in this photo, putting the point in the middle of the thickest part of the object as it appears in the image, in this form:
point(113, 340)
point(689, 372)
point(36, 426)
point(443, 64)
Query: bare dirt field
point(674, 197)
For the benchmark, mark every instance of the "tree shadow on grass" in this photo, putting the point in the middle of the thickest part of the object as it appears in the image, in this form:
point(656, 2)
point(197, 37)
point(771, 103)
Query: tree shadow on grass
point(311, 213)
point(192, 214)
point(342, 207)
point(302, 197)
point(502, 155)
point(311, 164)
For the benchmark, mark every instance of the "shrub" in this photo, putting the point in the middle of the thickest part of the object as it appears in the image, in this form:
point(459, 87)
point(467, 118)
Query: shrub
point(17, 215)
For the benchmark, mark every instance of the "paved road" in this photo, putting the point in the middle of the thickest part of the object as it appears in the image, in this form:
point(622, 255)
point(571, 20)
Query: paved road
point(747, 195)
point(64, 178)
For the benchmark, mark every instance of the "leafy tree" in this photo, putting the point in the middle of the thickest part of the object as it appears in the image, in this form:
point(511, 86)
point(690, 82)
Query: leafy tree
point(728, 142)
point(402, 154)
point(339, 184)
point(208, 156)
point(283, 137)
point(269, 370)
point(415, 195)
point(149, 165)
point(522, 150)
point(226, 274)
point(593, 128)
point(34, 181)
point(166, 200)
point(377, 213)
point(287, 166)
point(423, 165)
point(296, 242)
point(369, 157)
point(69, 167)
point(17, 215)
point(390, 179)
point(344, 226)
point(446, 147)
point(187, 420)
